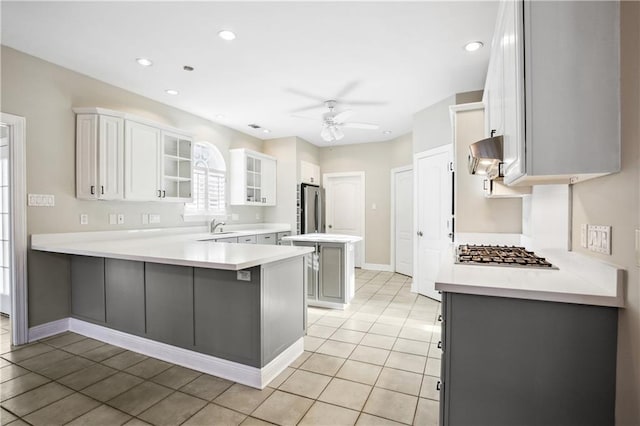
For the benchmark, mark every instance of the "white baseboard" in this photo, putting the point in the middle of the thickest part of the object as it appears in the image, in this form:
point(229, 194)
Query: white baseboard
point(414, 286)
point(48, 329)
point(377, 267)
point(240, 373)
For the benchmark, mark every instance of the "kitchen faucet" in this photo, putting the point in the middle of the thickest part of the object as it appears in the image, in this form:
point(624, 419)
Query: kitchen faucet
point(213, 225)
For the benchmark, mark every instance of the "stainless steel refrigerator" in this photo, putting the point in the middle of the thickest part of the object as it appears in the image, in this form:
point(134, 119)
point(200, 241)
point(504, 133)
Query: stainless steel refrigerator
point(311, 209)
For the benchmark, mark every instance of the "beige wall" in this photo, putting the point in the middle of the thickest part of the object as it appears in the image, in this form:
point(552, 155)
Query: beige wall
point(45, 94)
point(613, 200)
point(376, 160)
point(431, 126)
point(284, 149)
point(474, 211)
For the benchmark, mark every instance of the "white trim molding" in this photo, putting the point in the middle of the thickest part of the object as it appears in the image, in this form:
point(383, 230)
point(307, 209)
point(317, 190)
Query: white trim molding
point(48, 329)
point(18, 166)
point(377, 267)
point(251, 376)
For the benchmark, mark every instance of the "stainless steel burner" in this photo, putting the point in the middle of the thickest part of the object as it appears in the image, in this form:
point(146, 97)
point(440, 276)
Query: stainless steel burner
point(500, 256)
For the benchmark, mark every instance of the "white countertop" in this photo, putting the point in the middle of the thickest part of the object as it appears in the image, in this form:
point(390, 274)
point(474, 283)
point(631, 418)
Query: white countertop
point(324, 238)
point(170, 246)
point(579, 279)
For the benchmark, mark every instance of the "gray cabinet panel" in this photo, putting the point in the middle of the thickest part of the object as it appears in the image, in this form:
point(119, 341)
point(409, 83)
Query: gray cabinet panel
point(513, 361)
point(169, 304)
point(124, 288)
point(49, 286)
point(227, 315)
point(331, 287)
point(283, 306)
point(266, 239)
point(87, 288)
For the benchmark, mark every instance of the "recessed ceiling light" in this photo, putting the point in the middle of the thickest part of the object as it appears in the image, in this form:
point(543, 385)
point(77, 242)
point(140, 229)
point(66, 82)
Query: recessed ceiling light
point(266, 131)
point(227, 35)
point(387, 132)
point(472, 46)
point(144, 62)
point(171, 92)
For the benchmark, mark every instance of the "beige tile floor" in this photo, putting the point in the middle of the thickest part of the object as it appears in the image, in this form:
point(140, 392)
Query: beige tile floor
point(375, 363)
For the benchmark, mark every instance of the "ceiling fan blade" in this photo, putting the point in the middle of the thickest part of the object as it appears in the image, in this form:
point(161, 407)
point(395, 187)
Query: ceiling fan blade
point(365, 103)
point(348, 88)
point(342, 116)
point(365, 126)
point(306, 94)
point(307, 108)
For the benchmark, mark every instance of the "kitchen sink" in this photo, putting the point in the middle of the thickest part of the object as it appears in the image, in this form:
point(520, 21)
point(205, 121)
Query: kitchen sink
point(216, 236)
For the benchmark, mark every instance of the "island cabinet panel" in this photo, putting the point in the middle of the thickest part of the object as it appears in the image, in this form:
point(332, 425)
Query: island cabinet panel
point(87, 288)
point(331, 287)
point(525, 362)
point(227, 315)
point(124, 290)
point(283, 300)
point(169, 304)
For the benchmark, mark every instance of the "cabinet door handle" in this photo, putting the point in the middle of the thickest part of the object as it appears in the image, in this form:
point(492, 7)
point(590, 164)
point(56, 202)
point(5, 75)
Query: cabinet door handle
point(159, 193)
point(440, 317)
point(419, 233)
point(93, 190)
point(164, 194)
point(440, 344)
point(102, 189)
point(438, 385)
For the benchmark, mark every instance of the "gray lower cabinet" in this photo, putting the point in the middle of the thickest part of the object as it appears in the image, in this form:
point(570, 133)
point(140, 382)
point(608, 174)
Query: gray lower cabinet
point(87, 288)
point(227, 315)
point(267, 239)
point(125, 295)
point(523, 362)
point(169, 304)
point(331, 285)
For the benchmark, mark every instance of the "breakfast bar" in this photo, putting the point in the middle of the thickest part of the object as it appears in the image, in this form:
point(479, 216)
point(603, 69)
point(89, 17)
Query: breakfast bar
point(232, 310)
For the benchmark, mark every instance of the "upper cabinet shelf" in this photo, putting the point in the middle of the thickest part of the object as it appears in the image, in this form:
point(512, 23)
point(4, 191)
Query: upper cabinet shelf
point(123, 157)
point(253, 178)
point(553, 90)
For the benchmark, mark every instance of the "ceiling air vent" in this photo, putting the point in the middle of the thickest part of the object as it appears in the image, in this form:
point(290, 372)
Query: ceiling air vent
point(254, 126)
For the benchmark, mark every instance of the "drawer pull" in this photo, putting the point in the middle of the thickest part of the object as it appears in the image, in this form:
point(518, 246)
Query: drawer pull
point(438, 385)
point(93, 190)
point(440, 317)
point(440, 344)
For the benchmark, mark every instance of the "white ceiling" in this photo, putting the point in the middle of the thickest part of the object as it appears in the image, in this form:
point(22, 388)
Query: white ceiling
point(404, 56)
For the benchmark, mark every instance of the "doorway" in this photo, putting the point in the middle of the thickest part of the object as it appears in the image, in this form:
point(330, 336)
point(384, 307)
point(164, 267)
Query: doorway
point(13, 297)
point(402, 220)
point(433, 215)
point(344, 208)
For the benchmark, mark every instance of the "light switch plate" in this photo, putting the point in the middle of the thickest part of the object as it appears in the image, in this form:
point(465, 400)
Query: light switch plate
point(41, 200)
point(113, 220)
point(145, 218)
point(599, 238)
point(84, 219)
point(583, 235)
point(120, 219)
point(154, 218)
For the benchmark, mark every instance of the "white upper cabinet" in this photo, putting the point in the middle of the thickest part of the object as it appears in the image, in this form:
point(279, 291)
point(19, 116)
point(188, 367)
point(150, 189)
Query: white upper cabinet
point(553, 90)
point(253, 178)
point(309, 173)
point(119, 156)
point(142, 162)
point(99, 157)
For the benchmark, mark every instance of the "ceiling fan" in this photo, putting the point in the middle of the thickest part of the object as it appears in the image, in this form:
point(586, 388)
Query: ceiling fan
point(333, 122)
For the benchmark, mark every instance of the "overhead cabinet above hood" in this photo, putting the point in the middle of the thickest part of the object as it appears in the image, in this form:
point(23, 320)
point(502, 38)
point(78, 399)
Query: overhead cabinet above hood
point(485, 157)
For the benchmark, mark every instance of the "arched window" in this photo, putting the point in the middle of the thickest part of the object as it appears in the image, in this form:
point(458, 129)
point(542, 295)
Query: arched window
point(209, 172)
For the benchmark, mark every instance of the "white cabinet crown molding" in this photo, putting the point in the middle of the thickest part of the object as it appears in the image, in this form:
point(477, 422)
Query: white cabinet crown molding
point(130, 117)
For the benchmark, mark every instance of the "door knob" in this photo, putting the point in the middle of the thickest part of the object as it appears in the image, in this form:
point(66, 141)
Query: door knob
point(419, 233)
point(330, 226)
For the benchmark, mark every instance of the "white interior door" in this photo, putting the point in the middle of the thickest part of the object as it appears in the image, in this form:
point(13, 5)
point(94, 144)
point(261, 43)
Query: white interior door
point(6, 259)
point(403, 220)
point(433, 194)
point(344, 207)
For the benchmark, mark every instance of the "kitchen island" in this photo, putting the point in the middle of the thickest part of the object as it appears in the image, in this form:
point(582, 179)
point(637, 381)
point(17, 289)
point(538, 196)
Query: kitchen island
point(529, 346)
point(330, 270)
point(232, 310)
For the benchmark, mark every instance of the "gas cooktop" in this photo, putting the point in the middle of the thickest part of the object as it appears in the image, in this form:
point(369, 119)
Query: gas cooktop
point(471, 254)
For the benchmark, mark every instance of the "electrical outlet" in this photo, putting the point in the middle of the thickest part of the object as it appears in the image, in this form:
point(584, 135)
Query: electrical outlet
point(235, 216)
point(120, 219)
point(257, 216)
point(154, 218)
point(145, 218)
point(599, 238)
point(374, 206)
point(113, 220)
point(244, 275)
point(84, 219)
point(637, 247)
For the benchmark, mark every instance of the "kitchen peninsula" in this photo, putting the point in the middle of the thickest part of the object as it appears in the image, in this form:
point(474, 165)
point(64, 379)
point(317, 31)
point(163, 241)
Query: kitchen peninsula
point(232, 310)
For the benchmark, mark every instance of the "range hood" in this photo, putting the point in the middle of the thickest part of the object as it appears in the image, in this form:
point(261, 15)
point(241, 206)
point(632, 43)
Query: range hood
point(485, 157)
